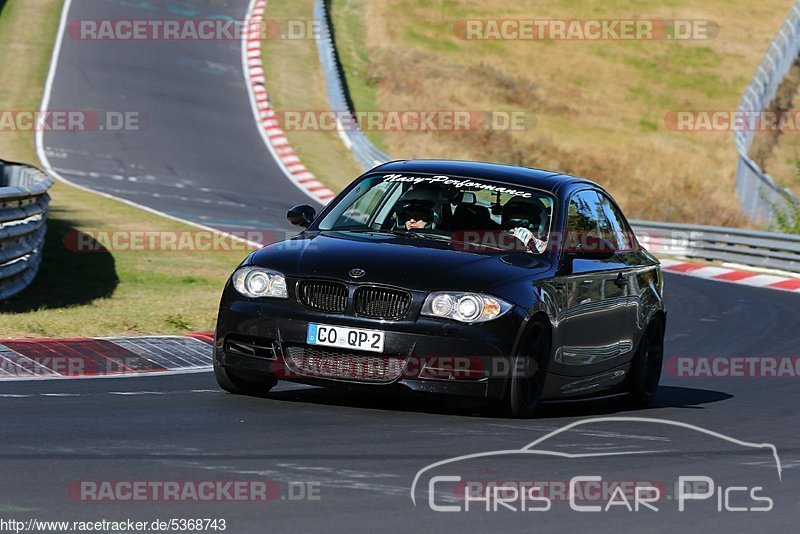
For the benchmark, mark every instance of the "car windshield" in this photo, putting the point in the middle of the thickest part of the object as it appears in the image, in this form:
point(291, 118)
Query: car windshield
point(476, 214)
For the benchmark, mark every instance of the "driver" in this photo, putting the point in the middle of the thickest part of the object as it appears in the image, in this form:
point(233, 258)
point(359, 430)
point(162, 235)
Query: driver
point(419, 208)
point(525, 219)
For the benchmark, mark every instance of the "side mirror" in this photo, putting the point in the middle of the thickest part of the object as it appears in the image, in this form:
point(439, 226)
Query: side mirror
point(301, 215)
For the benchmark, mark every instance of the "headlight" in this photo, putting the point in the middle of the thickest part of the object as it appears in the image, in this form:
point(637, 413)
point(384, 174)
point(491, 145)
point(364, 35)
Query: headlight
point(257, 282)
point(464, 307)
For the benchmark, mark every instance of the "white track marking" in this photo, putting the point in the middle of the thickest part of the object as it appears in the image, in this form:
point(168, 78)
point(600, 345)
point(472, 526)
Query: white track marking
point(45, 161)
point(133, 393)
point(121, 375)
point(118, 393)
point(591, 433)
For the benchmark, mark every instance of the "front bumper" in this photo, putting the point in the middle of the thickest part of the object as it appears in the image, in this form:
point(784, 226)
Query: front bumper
point(439, 356)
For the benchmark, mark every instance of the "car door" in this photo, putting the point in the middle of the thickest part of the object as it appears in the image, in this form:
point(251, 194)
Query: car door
point(593, 293)
point(639, 274)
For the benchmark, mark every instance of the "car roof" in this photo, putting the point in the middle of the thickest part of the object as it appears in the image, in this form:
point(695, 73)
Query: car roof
point(523, 176)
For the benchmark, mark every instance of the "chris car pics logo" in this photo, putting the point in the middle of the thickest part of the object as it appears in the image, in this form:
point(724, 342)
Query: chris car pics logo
point(447, 489)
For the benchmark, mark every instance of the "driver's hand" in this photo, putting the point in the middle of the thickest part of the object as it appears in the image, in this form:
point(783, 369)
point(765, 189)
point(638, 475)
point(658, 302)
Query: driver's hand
point(526, 236)
point(523, 234)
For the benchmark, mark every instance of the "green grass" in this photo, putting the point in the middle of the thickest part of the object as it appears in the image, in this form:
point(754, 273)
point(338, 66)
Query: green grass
point(27, 30)
point(100, 293)
point(647, 124)
point(681, 68)
point(114, 293)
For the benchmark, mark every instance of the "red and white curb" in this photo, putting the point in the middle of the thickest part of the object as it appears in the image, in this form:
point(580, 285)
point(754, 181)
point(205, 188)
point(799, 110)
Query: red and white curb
point(273, 135)
point(112, 357)
point(734, 276)
point(48, 359)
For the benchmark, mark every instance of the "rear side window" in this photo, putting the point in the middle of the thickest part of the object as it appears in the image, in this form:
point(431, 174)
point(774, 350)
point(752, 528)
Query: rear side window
point(584, 218)
point(619, 232)
point(592, 215)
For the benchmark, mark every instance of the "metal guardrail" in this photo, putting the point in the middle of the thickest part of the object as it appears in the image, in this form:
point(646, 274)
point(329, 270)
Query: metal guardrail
point(747, 247)
point(758, 192)
point(367, 154)
point(24, 203)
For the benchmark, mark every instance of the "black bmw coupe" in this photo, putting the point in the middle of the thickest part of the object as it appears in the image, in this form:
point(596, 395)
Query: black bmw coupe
point(469, 279)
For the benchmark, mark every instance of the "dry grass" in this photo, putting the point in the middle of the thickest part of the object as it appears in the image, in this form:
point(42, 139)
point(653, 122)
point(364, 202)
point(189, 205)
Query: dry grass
point(778, 153)
point(598, 106)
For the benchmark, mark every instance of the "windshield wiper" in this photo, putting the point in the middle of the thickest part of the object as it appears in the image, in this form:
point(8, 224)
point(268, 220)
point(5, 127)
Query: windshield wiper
point(430, 235)
point(397, 232)
point(401, 233)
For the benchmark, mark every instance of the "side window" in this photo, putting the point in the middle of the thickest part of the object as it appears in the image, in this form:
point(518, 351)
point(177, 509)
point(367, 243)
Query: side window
point(359, 212)
point(621, 234)
point(585, 219)
point(367, 203)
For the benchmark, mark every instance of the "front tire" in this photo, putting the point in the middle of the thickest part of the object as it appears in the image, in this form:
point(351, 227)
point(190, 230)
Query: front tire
point(240, 383)
point(646, 365)
point(528, 374)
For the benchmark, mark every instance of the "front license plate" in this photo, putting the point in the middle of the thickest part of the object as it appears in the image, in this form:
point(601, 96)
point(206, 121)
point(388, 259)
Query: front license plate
point(344, 337)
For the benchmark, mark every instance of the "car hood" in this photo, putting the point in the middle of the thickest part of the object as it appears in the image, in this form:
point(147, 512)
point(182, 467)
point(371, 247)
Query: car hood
point(411, 262)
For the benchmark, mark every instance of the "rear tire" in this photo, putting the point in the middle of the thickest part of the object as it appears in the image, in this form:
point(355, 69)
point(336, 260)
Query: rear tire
point(240, 383)
point(528, 374)
point(646, 366)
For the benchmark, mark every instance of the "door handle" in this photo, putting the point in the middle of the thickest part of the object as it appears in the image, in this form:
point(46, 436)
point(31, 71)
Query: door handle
point(620, 281)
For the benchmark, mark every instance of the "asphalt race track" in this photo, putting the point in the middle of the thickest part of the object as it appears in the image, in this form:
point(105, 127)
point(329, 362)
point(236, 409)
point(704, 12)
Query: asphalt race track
point(194, 151)
point(364, 451)
point(350, 459)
